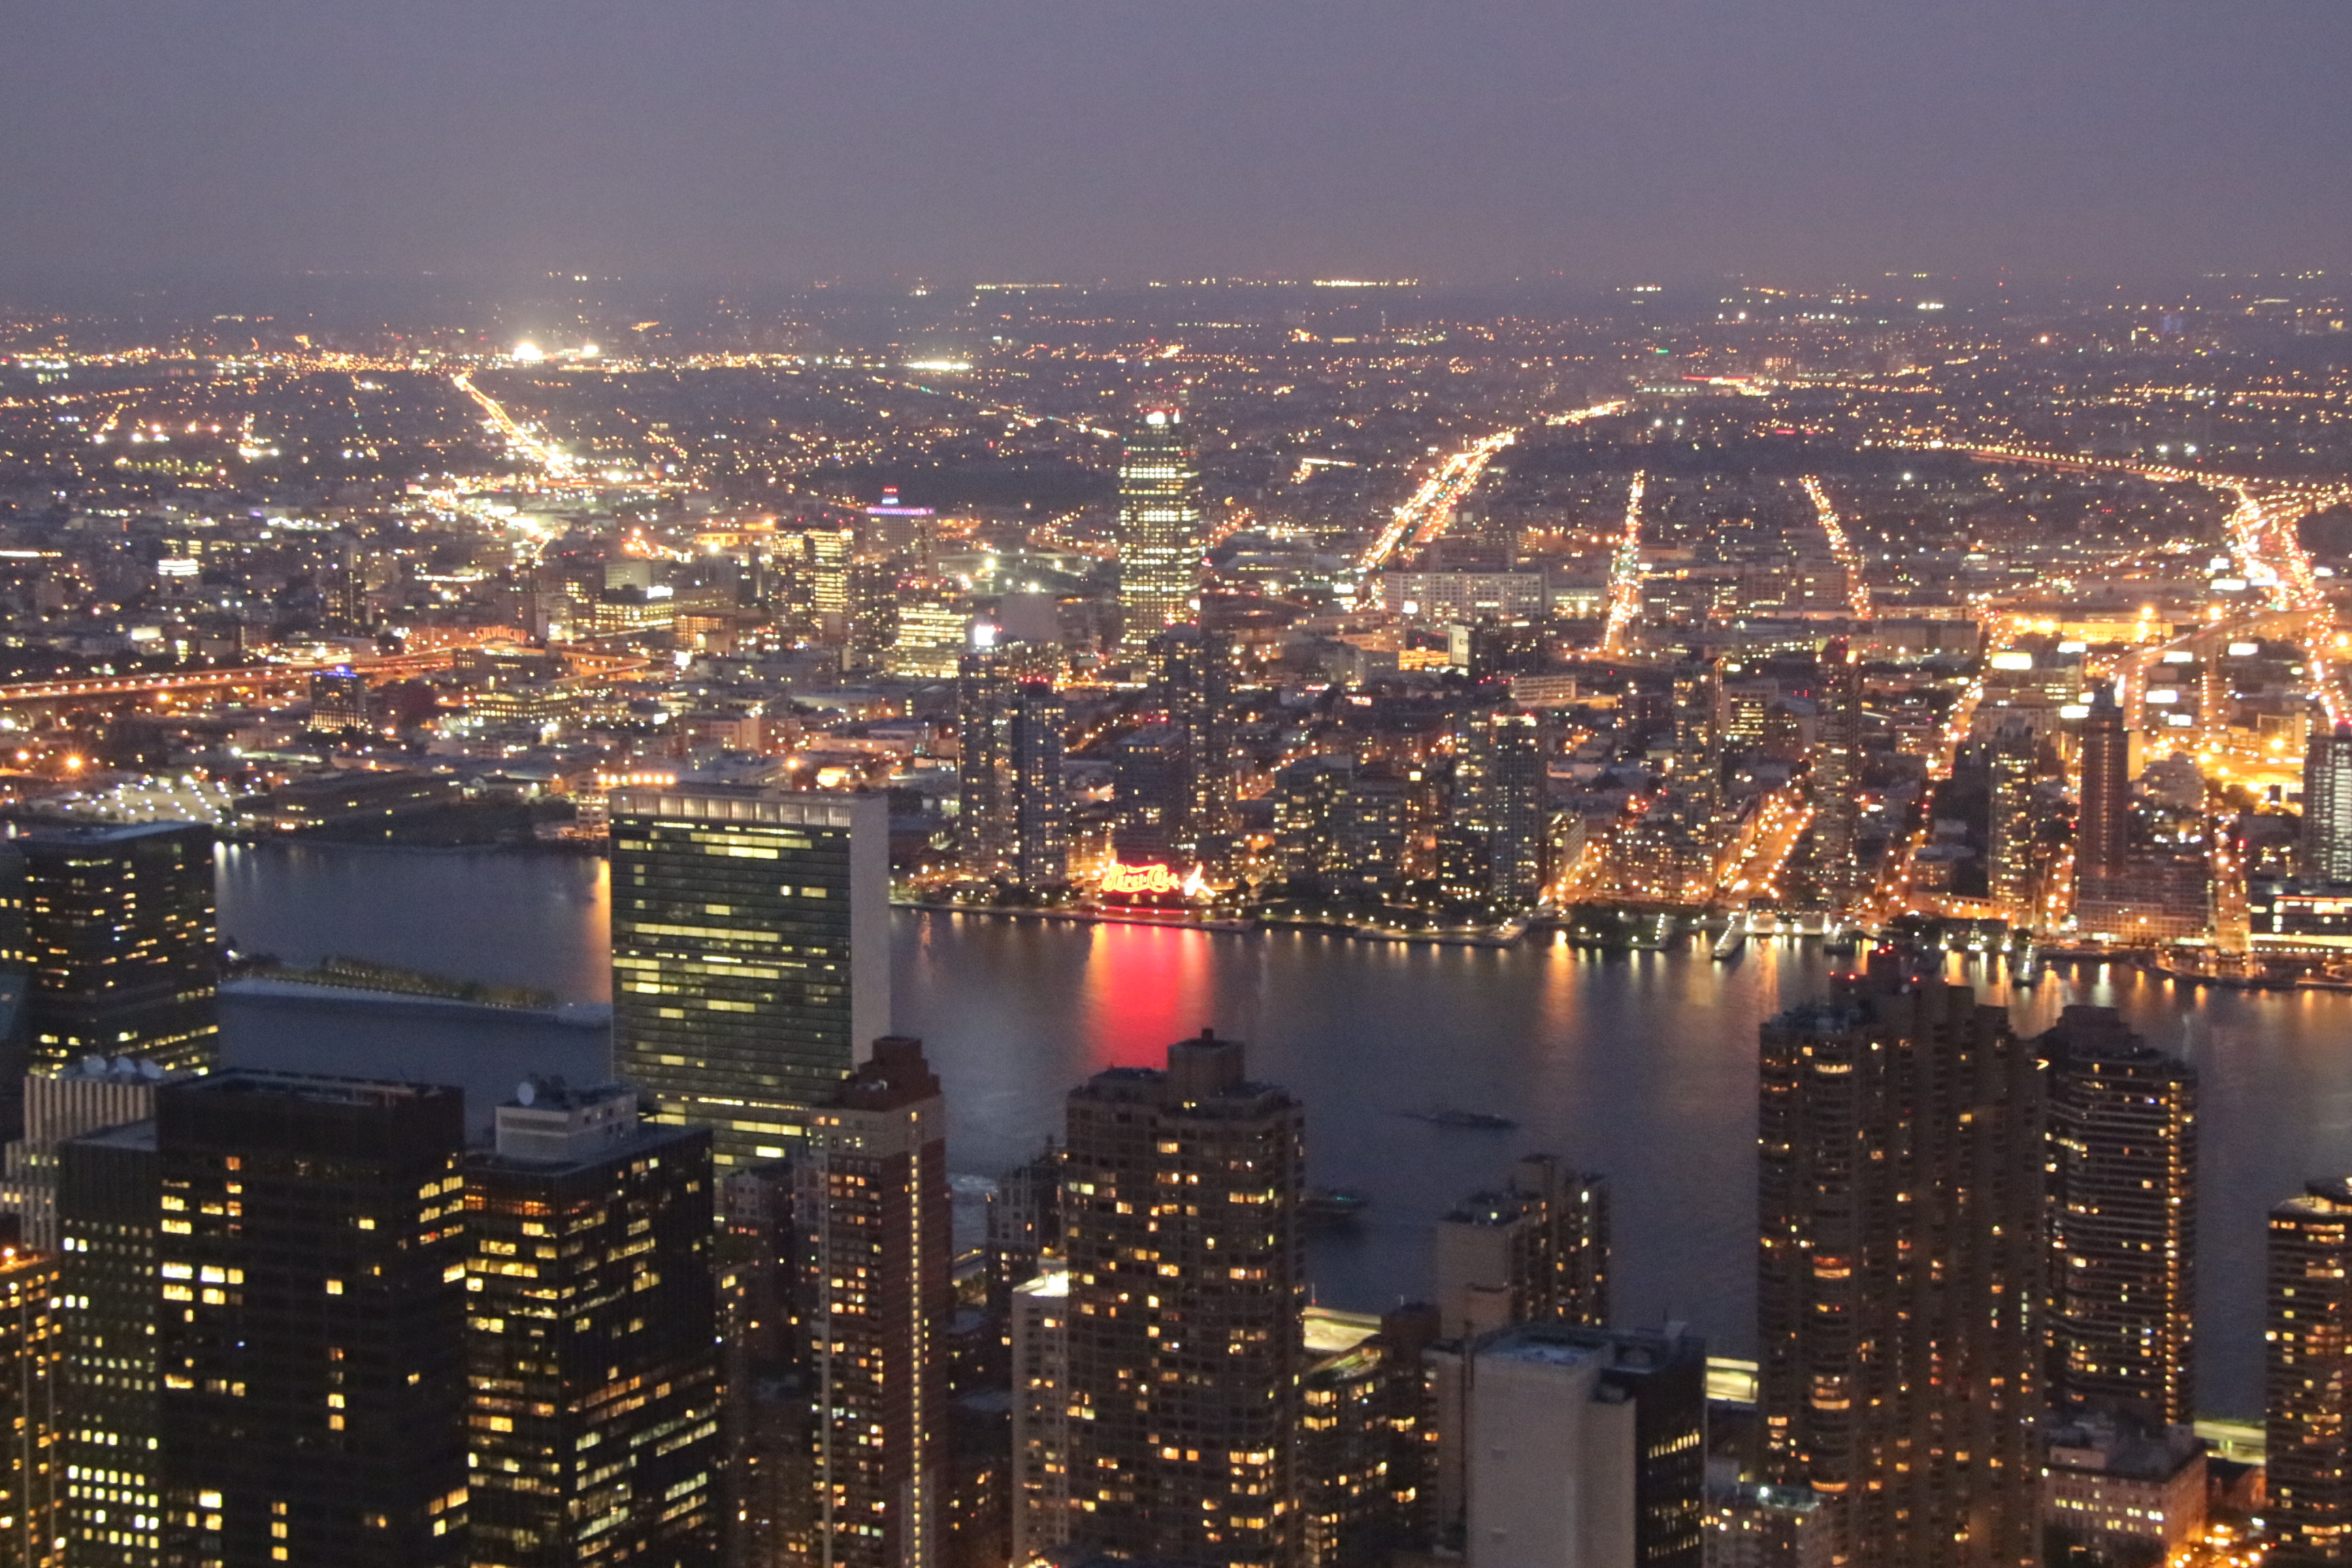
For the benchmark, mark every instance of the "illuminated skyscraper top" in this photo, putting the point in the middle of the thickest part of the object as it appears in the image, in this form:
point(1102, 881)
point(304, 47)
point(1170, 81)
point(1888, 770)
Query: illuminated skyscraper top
point(1160, 534)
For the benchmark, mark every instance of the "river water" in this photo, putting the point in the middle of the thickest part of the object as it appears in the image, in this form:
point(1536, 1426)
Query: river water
point(1642, 1066)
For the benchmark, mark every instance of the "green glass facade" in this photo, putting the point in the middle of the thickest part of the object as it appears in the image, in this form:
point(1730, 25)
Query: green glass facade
point(751, 955)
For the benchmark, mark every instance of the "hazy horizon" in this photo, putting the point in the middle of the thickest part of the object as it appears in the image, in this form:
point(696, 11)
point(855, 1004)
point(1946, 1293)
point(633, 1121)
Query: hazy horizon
point(1470, 144)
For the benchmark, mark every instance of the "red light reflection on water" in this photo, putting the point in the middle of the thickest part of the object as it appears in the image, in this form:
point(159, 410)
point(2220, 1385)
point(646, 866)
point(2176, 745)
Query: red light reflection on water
point(1143, 988)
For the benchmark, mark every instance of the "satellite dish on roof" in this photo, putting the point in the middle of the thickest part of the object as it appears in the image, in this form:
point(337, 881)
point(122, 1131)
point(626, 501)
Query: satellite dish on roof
point(93, 1064)
point(525, 1092)
point(124, 1066)
point(151, 1069)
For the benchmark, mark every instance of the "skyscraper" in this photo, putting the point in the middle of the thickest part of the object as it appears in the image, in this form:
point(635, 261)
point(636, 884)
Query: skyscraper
point(768, 1409)
point(1160, 532)
point(1585, 1447)
point(2102, 833)
point(2010, 842)
point(108, 1213)
point(751, 953)
point(1181, 1211)
point(1012, 819)
point(872, 1205)
point(1500, 780)
point(2307, 1376)
point(590, 1336)
point(94, 1093)
point(1197, 673)
point(311, 1334)
point(1900, 1268)
point(1836, 786)
point(1039, 1328)
point(2123, 1219)
point(121, 932)
point(32, 1468)
point(1361, 1440)
point(2326, 847)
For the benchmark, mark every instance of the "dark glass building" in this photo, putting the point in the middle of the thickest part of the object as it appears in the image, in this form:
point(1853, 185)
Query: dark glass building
point(2123, 1220)
point(2103, 829)
point(751, 955)
point(107, 1185)
point(591, 1337)
point(310, 1334)
point(122, 941)
point(1181, 1218)
point(1900, 1270)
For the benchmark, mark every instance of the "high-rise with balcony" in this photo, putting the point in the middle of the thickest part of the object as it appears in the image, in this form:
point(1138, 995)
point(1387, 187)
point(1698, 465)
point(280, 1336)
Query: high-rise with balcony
point(751, 955)
point(2307, 1376)
point(1900, 1270)
point(872, 1207)
point(1161, 536)
point(2123, 1220)
point(1181, 1218)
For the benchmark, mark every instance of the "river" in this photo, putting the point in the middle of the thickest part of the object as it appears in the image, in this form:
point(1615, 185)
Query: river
point(1641, 1066)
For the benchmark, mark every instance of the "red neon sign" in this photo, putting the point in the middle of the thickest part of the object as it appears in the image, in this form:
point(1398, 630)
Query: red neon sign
point(1153, 879)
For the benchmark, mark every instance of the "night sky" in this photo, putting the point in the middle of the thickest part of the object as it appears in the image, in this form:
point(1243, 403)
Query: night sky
point(1458, 140)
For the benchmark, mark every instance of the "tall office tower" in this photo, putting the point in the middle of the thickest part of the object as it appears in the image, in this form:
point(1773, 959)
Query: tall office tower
point(2103, 834)
point(1837, 779)
point(591, 1335)
point(1197, 672)
point(1582, 1447)
point(1535, 1252)
point(1161, 536)
point(872, 624)
point(1499, 790)
point(32, 1468)
point(2307, 1376)
point(1363, 1434)
point(84, 1097)
point(311, 1334)
point(1039, 1326)
point(1013, 818)
point(767, 1420)
point(751, 955)
point(1900, 1267)
point(1181, 1211)
point(108, 1191)
point(872, 1205)
point(2010, 842)
point(122, 939)
point(2326, 847)
point(2123, 1219)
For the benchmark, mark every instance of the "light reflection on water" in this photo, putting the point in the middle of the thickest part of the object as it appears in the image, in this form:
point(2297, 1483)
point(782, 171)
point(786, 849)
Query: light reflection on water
point(1640, 1065)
